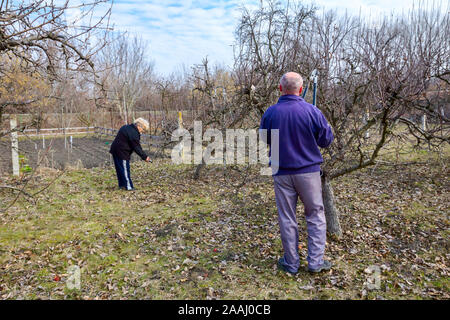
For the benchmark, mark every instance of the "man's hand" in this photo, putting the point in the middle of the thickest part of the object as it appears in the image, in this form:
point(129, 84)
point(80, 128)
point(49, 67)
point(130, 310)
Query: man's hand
point(148, 159)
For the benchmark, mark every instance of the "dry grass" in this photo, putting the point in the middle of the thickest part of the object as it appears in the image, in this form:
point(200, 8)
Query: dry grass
point(176, 238)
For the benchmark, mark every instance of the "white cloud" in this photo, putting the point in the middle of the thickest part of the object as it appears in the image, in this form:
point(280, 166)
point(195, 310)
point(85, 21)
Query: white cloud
point(373, 8)
point(184, 32)
point(180, 31)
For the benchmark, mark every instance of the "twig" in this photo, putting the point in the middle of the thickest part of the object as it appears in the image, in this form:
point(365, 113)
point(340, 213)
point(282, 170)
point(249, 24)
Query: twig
point(20, 191)
point(48, 185)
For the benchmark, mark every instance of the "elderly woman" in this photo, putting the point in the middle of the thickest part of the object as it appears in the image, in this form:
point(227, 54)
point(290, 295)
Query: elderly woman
point(128, 139)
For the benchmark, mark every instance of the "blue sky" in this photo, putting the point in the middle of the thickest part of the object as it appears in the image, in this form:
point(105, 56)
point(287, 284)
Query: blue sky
point(184, 32)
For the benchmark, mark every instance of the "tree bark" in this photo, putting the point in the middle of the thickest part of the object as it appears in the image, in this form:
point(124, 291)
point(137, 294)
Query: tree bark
point(198, 169)
point(331, 212)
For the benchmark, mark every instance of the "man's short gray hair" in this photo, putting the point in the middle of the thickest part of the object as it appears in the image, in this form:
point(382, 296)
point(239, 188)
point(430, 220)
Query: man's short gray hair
point(291, 82)
point(142, 123)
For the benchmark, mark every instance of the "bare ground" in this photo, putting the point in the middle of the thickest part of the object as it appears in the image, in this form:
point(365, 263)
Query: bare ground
point(86, 152)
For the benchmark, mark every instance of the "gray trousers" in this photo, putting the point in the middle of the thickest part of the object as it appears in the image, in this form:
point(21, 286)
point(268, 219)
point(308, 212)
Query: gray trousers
point(287, 190)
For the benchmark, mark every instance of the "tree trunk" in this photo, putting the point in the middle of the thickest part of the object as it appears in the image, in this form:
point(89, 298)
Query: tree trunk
point(331, 212)
point(198, 169)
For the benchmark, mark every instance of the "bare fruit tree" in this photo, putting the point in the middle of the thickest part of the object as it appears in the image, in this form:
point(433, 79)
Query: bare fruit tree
point(268, 42)
point(126, 73)
point(50, 38)
point(42, 43)
point(373, 76)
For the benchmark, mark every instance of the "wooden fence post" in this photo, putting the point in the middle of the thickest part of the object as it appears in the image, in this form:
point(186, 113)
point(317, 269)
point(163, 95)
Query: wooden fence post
point(14, 146)
point(180, 126)
point(424, 122)
point(366, 120)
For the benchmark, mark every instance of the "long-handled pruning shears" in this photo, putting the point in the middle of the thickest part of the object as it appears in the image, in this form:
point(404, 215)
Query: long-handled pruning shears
point(314, 77)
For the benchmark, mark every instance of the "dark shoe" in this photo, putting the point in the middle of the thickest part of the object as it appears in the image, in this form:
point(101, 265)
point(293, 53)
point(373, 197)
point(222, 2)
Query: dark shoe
point(125, 188)
point(282, 267)
point(324, 267)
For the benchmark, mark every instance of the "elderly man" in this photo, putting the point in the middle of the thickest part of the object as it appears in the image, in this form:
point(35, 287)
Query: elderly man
point(128, 140)
point(302, 130)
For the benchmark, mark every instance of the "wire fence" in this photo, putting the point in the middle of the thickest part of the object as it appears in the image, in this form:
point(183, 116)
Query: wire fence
point(58, 148)
point(146, 139)
point(56, 131)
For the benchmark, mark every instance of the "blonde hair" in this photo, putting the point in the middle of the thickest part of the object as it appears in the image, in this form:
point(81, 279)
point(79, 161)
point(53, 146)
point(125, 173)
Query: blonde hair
point(142, 123)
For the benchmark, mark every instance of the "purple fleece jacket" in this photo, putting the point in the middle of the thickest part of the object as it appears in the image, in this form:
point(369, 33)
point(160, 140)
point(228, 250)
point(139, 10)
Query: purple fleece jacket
point(302, 130)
